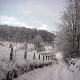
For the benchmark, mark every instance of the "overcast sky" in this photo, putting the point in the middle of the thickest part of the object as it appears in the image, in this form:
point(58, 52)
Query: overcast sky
point(40, 14)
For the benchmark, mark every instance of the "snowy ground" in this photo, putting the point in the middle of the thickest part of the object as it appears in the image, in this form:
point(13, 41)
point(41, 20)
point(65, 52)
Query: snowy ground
point(58, 71)
point(18, 63)
point(18, 53)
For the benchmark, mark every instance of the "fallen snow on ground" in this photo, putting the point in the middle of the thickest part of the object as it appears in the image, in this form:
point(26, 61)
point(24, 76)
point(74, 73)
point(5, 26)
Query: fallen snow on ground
point(58, 71)
point(18, 53)
point(6, 65)
point(75, 68)
point(59, 56)
point(55, 72)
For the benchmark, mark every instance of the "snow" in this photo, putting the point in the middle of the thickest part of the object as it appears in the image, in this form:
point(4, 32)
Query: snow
point(18, 53)
point(75, 68)
point(49, 48)
point(57, 71)
point(39, 74)
point(7, 65)
point(59, 56)
point(54, 72)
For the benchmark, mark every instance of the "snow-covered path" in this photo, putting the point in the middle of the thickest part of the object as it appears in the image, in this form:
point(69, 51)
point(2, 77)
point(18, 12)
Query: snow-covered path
point(55, 72)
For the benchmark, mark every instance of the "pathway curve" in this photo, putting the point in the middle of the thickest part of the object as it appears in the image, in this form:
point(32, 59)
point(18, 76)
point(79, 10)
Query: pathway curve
point(58, 71)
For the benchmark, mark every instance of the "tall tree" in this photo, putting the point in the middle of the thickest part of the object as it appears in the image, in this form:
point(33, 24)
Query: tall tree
point(70, 27)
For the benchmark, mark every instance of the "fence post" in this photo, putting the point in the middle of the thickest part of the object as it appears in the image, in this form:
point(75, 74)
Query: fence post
point(25, 48)
point(34, 56)
point(46, 57)
point(11, 54)
point(43, 57)
point(25, 55)
point(39, 56)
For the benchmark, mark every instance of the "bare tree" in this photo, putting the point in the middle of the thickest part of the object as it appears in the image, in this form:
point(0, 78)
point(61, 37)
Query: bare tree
point(67, 38)
point(38, 43)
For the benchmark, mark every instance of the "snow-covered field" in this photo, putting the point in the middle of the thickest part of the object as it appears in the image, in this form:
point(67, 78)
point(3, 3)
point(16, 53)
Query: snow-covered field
point(19, 65)
point(30, 69)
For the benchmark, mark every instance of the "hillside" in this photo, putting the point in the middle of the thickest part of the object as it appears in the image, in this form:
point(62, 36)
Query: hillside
point(20, 34)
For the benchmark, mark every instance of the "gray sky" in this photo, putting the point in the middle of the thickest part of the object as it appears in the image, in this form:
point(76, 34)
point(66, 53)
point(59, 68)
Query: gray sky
point(40, 14)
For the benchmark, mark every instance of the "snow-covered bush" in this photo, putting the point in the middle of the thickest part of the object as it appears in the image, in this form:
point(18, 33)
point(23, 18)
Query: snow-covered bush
point(21, 69)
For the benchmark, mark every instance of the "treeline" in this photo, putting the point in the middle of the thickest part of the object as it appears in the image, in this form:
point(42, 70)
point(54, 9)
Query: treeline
point(20, 34)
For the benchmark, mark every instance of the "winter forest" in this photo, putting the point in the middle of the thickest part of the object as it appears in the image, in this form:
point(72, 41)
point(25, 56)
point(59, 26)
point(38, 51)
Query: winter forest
point(39, 54)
